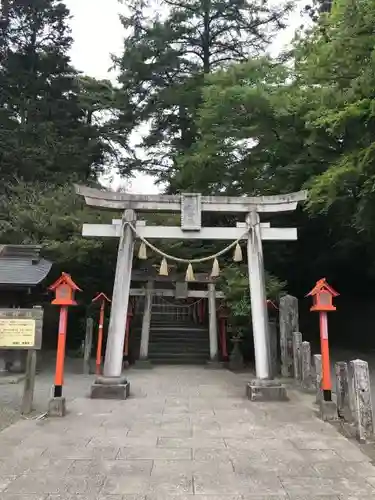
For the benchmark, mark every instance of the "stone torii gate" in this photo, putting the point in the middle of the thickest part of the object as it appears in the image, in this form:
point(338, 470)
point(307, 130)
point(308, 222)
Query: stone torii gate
point(191, 206)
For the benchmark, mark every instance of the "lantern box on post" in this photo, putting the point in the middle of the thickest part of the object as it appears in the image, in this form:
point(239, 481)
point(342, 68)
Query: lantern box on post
point(64, 289)
point(322, 295)
point(101, 297)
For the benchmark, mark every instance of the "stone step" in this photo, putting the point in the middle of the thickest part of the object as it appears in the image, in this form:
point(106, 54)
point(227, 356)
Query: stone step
point(173, 333)
point(178, 348)
point(170, 324)
point(181, 340)
point(168, 361)
point(163, 314)
point(188, 358)
point(174, 328)
point(179, 334)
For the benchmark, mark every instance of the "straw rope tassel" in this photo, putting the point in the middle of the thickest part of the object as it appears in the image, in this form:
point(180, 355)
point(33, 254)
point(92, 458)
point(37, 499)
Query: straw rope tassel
point(163, 271)
point(189, 273)
point(142, 252)
point(215, 269)
point(237, 257)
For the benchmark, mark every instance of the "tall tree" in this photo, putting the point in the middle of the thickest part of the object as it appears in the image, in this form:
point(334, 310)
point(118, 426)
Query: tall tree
point(166, 57)
point(264, 129)
point(43, 131)
point(343, 82)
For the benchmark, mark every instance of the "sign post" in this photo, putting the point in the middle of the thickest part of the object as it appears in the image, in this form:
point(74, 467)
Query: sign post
point(64, 289)
point(102, 299)
point(21, 329)
point(28, 392)
point(322, 295)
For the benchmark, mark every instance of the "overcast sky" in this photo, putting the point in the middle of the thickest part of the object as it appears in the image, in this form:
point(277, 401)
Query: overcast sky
point(98, 33)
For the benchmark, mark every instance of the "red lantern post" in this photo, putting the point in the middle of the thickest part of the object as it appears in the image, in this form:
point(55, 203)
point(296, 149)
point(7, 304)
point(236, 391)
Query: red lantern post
point(322, 295)
point(64, 289)
point(102, 299)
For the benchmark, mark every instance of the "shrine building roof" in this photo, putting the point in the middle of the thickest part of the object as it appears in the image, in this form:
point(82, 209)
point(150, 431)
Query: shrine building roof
point(22, 266)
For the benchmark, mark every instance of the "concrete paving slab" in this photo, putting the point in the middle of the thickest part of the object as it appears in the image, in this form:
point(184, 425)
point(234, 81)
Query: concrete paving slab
point(191, 466)
point(314, 497)
point(11, 496)
point(193, 443)
point(170, 484)
point(5, 481)
point(155, 453)
point(129, 484)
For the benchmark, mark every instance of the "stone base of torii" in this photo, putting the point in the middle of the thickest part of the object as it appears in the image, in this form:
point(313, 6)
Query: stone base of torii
point(191, 205)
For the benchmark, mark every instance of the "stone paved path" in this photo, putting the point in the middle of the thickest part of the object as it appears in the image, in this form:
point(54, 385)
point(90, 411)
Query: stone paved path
point(186, 433)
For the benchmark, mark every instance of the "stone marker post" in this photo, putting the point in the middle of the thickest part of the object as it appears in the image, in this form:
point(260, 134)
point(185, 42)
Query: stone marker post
point(342, 389)
point(88, 346)
point(272, 329)
point(318, 377)
point(288, 324)
point(362, 404)
point(297, 359)
point(306, 365)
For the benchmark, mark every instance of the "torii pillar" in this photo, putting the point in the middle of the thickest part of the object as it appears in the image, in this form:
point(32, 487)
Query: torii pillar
point(112, 385)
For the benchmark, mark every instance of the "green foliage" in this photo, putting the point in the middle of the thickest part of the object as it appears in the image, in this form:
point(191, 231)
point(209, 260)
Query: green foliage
point(337, 61)
point(166, 57)
point(247, 124)
point(234, 282)
point(46, 131)
point(52, 216)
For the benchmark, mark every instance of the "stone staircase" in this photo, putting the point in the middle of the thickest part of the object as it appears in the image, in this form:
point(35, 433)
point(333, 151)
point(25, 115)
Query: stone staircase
point(180, 342)
point(175, 335)
point(177, 340)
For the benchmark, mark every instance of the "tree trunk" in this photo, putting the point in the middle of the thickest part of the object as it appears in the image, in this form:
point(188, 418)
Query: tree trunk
point(206, 36)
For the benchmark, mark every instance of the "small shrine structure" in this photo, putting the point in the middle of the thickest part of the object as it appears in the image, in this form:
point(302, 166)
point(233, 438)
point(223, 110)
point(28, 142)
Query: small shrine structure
point(22, 272)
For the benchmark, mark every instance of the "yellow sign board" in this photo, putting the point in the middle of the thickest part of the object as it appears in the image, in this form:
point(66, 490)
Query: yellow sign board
point(17, 333)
